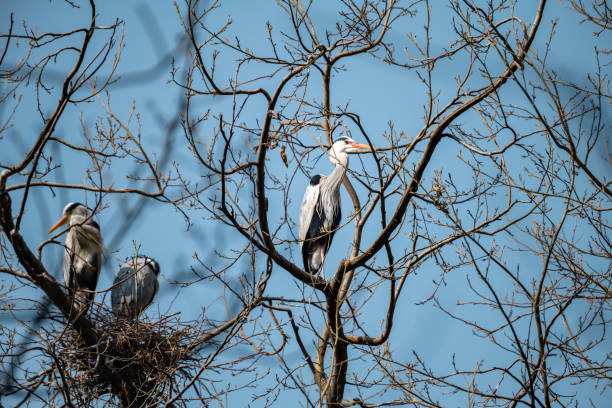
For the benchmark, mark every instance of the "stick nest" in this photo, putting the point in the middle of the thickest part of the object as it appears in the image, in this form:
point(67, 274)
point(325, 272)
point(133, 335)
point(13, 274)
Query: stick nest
point(147, 354)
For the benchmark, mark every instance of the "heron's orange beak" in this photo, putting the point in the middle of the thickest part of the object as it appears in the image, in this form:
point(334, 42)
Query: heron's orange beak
point(61, 222)
point(360, 145)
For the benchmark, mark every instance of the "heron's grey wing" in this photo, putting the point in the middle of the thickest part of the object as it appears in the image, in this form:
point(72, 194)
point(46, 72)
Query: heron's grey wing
point(86, 271)
point(92, 253)
point(94, 264)
point(309, 203)
point(147, 285)
point(122, 293)
point(116, 293)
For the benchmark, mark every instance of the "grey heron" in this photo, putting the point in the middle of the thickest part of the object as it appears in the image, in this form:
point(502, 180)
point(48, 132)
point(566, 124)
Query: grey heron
point(82, 254)
point(135, 286)
point(320, 211)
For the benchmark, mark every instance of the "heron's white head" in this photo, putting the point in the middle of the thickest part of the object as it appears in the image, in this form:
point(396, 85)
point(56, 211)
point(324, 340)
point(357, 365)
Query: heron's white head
point(140, 262)
point(342, 147)
point(153, 264)
point(73, 212)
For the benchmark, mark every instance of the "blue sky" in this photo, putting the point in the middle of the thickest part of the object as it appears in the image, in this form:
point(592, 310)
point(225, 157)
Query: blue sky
point(377, 92)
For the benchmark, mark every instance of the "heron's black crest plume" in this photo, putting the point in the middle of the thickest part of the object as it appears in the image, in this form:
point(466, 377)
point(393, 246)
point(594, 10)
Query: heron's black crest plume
point(71, 206)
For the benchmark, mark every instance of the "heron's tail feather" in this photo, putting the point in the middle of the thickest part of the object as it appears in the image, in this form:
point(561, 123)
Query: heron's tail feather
point(312, 260)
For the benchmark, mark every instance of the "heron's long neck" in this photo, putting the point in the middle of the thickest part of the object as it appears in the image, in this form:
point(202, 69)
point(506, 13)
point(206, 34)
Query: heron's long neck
point(335, 178)
point(84, 231)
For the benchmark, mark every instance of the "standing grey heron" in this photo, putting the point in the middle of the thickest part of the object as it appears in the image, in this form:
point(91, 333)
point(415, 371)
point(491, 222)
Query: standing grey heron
point(135, 286)
point(320, 211)
point(82, 255)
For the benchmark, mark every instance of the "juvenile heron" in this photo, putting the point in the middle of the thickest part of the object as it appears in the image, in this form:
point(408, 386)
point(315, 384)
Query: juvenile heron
point(134, 287)
point(82, 255)
point(320, 211)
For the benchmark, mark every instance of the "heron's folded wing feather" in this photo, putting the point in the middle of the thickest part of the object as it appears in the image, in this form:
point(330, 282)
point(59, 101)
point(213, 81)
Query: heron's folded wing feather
point(148, 287)
point(309, 203)
point(123, 288)
point(93, 266)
